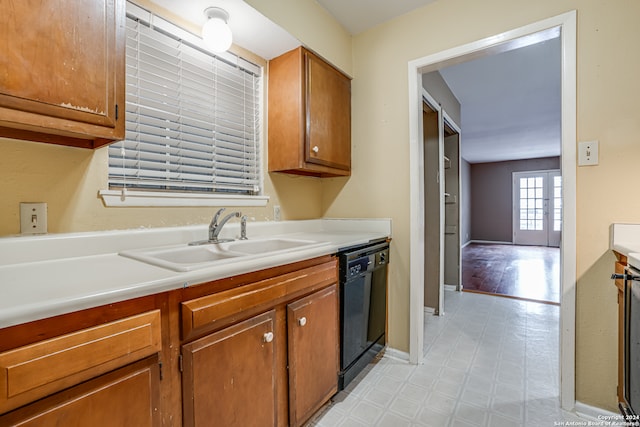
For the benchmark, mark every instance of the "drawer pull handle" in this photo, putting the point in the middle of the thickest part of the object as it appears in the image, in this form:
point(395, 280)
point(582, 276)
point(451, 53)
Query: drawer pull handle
point(268, 337)
point(315, 149)
point(302, 321)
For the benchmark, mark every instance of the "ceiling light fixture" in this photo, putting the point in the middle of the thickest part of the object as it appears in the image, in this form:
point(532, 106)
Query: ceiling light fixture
point(216, 33)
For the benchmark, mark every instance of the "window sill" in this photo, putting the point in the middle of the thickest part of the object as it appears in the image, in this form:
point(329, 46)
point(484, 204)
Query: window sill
point(132, 198)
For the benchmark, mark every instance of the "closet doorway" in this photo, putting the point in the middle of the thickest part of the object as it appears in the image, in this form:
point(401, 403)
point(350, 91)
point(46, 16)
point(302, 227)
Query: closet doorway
point(442, 239)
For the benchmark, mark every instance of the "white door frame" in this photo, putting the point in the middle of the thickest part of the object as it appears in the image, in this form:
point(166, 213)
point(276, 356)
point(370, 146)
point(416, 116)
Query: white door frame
point(565, 24)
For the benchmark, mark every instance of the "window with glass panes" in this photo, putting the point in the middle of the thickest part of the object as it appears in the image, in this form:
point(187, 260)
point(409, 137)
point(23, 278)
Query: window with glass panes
point(531, 203)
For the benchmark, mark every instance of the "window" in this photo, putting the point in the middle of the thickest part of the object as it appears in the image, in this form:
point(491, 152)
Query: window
point(557, 203)
point(531, 203)
point(193, 118)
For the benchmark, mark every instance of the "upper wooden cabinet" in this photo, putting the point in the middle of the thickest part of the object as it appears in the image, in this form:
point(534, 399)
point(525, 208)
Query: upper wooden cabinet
point(62, 71)
point(309, 116)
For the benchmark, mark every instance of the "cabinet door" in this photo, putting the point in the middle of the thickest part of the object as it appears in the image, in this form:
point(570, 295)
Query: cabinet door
point(328, 119)
point(125, 397)
point(313, 353)
point(229, 376)
point(62, 67)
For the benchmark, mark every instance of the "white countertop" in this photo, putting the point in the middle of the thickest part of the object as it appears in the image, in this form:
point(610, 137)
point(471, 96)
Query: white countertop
point(44, 276)
point(625, 239)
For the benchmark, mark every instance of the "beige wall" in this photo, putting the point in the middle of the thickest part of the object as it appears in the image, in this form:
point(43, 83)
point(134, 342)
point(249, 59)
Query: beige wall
point(608, 88)
point(307, 21)
point(68, 180)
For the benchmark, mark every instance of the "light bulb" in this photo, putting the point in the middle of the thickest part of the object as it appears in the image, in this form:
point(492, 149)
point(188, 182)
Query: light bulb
point(216, 34)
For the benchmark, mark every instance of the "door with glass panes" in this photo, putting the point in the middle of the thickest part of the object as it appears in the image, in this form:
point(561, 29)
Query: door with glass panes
point(537, 208)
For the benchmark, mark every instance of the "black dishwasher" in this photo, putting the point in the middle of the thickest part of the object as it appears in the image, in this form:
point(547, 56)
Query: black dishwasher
point(363, 306)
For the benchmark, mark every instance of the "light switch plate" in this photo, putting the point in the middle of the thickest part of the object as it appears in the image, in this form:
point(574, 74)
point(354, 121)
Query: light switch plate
point(33, 218)
point(588, 153)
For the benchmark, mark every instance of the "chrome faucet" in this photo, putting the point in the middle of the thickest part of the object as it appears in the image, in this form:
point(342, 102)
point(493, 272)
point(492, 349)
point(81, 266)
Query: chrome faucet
point(215, 227)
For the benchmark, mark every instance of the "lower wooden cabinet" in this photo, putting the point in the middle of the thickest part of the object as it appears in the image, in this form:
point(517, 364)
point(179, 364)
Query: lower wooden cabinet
point(271, 358)
point(620, 265)
point(313, 353)
point(230, 376)
point(129, 396)
point(260, 349)
point(44, 367)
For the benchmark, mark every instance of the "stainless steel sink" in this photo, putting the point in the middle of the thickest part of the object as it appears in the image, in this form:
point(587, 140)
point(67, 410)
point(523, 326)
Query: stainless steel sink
point(187, 258)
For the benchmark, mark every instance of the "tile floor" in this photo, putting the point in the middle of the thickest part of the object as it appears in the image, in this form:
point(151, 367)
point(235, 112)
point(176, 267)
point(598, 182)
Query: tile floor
point(489, 361)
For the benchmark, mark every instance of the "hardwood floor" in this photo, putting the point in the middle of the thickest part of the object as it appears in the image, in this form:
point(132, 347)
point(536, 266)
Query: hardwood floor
point(524, 272)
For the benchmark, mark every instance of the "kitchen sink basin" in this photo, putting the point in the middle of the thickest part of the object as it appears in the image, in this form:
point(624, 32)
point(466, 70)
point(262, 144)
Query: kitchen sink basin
point(267, 246)
point(193, 255)
point(183, 257)
point(187, 258)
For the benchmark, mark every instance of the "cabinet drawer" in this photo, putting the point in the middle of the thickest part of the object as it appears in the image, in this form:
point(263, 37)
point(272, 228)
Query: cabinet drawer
point(215, 311)
point(30, 372)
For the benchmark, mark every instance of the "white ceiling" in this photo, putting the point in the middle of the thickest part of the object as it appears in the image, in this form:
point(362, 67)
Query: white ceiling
point(251, 30)
point(510, 101)
point(359, 15)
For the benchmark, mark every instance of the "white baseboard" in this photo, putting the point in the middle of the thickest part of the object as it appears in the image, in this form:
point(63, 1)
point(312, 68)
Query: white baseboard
point(395, 354)
point(450, 288)
point(429, 310)
point(593, 413)
point(491, 242)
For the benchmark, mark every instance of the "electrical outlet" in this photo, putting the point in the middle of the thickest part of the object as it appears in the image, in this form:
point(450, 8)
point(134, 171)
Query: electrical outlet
point(276, 213)
point(33, 218)
point(588, 153)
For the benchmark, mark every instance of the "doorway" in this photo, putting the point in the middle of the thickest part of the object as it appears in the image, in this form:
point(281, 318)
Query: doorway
point(537, 208)
point(566, 24)
point(441, 148)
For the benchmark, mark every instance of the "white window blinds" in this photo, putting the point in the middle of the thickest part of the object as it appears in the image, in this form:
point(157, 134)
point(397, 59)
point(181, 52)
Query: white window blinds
point(192, 118)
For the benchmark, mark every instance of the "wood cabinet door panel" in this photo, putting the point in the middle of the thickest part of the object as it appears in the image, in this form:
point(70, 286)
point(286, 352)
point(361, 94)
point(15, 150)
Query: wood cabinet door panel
point(229, 377)
point(328, 99)
point(126, 397)
point(62, 71)
point(313, 352)
point(58, 58)
point(42, 368)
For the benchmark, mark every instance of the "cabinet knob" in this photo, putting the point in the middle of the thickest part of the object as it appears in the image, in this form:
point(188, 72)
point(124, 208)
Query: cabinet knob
point(268, 337)
point(302, 321)
point(315, 149)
